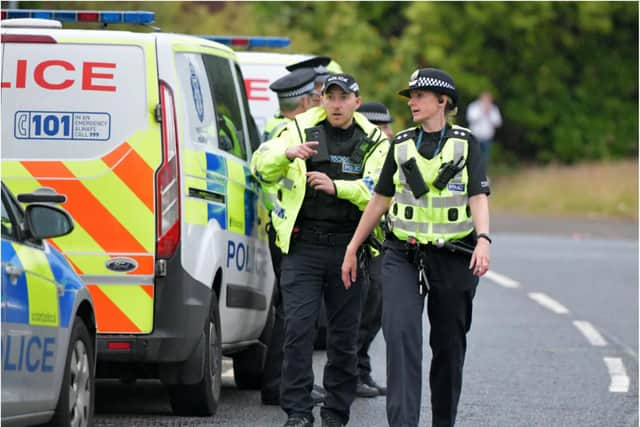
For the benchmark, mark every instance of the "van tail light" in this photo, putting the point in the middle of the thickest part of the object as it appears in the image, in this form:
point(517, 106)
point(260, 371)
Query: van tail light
point(168, 179)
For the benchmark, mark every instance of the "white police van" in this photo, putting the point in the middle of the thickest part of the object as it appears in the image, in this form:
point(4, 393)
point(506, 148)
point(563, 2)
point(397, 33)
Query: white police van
point(149, 135)
point(48, 320)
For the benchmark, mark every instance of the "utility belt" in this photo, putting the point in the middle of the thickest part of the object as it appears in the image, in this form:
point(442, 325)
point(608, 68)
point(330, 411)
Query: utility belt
point(321, 238)
point(416, 254)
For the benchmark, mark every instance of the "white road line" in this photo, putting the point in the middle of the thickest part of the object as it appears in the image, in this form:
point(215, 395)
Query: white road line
point(501, 280)
point(590, 333)
point(619, 379)
point(548, 302)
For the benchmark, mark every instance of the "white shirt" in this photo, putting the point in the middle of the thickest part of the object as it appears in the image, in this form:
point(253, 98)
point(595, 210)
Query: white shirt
point(483, 124)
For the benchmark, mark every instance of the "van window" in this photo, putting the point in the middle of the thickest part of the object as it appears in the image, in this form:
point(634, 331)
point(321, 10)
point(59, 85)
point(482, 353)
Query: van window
point(231, 132)
point(200, 119)
point(255, 137)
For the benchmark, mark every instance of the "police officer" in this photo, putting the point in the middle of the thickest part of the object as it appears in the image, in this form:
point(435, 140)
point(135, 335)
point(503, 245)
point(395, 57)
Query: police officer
point(294, 92)
point(325, 163)
point(435, 185)
point(371, 319)
point(323, 67)
point(294, 96)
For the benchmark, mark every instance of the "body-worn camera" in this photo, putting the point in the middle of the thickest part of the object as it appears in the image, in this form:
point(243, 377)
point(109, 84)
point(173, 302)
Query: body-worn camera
point(447, 171)
point(414, 178)
point(317, 133)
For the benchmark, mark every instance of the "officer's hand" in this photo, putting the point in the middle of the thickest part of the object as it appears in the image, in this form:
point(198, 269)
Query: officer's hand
point(479, 264)
point(320, 181)
point(301, 151)
point(349, 267)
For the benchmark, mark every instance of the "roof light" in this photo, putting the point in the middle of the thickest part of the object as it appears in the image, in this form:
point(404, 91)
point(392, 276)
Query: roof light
point(250, 41)
point(106, 17)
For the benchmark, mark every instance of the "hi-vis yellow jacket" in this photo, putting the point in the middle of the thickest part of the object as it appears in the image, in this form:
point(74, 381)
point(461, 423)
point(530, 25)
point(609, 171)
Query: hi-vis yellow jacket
point(270, 165)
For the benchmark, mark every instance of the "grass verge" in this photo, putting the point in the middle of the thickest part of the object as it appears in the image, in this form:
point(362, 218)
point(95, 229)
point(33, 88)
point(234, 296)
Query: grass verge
point(602, 190)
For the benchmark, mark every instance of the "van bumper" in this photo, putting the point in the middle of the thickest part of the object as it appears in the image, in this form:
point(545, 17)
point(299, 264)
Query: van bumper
point(181, 307)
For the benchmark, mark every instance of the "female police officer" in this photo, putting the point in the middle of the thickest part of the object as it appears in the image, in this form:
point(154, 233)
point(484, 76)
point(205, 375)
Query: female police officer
point(434, 183)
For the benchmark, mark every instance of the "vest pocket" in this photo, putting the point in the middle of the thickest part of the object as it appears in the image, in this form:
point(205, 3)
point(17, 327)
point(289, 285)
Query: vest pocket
point(452, 214)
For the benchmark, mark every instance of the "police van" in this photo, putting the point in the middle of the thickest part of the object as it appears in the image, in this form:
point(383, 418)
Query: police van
point(260, 69)
point(149, 136)
point(48, 319)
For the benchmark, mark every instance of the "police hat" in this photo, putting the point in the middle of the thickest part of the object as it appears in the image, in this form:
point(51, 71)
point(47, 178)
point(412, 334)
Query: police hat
point(296, 83)
point(318, 64)
point(376, 112)
point(434, 80)
point(345, 81)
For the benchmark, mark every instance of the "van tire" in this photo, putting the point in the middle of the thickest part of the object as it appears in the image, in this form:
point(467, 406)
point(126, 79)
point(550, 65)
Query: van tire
point(201, 399)
point(248, 365)
point(77, 391)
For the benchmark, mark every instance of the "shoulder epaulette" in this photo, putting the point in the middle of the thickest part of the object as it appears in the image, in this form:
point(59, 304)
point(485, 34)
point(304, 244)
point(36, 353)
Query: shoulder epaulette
point(458, 132)
point(404, 135)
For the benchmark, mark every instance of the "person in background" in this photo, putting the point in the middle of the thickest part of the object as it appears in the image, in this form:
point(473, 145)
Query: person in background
point(484, 117)
point(294, 96)
point(294, 91)
point(434, 187)
point(323, 66)
point(371, 319)
point(325, 162)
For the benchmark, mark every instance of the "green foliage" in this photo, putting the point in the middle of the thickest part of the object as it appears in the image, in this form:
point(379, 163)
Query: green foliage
point(565, 74)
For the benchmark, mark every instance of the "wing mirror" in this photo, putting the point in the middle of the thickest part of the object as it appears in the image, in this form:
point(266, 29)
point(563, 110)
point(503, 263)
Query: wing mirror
point(45, 221)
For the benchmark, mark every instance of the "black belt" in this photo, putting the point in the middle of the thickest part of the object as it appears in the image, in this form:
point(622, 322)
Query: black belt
point(324, 239)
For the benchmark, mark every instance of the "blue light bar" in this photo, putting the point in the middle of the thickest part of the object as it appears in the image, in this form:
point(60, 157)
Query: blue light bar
point(251, 41)
point(107, 17)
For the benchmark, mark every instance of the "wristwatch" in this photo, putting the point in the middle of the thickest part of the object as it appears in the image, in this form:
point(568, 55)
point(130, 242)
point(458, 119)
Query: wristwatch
point(484, 236)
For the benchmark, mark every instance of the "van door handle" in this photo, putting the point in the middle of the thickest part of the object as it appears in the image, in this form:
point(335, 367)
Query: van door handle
point(13, 271)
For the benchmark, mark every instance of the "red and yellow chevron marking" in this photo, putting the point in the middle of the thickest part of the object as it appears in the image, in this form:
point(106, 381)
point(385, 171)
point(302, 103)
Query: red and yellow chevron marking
point(123, 308)
point(112, 203)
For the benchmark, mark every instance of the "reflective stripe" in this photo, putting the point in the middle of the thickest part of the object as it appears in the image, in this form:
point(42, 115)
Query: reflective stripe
point(405, 197)
point(287, 183)
point(423, 227)
point(455, 227)
point(450, 201)
point(410, 226)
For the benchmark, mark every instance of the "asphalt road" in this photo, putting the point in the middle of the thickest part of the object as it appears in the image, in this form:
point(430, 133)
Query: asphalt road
point(529, 363)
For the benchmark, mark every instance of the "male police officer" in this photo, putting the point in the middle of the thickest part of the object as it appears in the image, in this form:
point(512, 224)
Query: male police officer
point(294, 96)
point(325, 163)
point(320, 65)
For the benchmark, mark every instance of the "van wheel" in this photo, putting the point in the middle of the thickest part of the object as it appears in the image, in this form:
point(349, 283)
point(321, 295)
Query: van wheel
point(248, 365)
point(201, 399)
point(75, 403)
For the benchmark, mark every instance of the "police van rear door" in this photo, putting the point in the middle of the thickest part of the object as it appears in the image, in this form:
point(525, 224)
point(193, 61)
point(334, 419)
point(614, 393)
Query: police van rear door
point(78, 114)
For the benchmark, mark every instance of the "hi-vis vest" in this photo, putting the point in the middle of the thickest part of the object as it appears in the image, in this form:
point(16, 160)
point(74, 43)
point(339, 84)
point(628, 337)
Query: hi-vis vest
point(274, 127)
point(437, 214)
point(270, 165)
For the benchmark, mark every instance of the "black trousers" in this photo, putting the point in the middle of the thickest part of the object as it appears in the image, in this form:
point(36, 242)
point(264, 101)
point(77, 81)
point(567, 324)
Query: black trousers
point(310, 272)
point(371, 318)
point(273, 364)
point(449, 308)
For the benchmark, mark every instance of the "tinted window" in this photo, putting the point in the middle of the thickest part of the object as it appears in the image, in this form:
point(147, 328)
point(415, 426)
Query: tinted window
point(231, 136)
point(254, 133)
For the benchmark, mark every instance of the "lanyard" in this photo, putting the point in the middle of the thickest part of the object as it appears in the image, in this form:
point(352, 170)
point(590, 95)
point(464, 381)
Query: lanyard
point(437, 150)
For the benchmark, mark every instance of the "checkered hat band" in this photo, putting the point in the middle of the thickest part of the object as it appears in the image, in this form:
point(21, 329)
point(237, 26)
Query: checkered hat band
point(298, 91)
point(430, 82)
point(377, 117)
